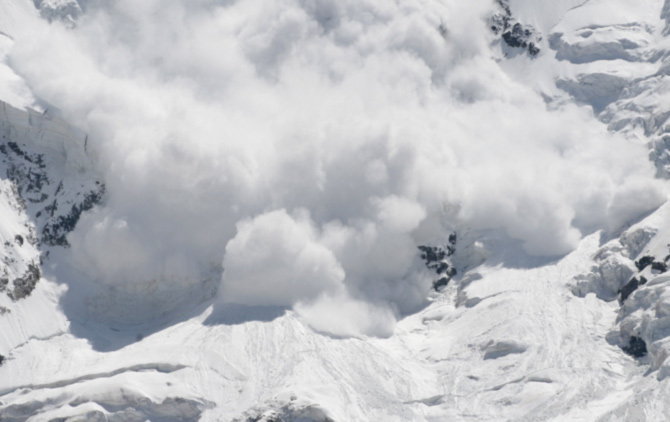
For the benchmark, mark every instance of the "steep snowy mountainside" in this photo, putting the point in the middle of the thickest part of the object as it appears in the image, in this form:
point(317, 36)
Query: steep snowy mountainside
point(47, 162)
point(620, 53)
point(20, 266)
point(333, 211)
point(546, 357)
point(644, 298)
point(46, 183)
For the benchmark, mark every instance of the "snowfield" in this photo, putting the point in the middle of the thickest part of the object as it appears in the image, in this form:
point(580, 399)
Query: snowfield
point(316, 210)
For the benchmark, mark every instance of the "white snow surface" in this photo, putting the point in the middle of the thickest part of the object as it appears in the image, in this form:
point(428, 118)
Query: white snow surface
point(270, 172)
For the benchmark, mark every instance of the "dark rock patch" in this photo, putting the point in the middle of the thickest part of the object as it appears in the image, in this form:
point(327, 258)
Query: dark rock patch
point(51, 197)
point(25, 284)
point(520, 37)
point(55, 231)
point(514, 34)
point(659, 267)
point(636, 347)
point(56, 212)
point(440, 283)
point(644, 262)
point(630, 287)
point(436, 258)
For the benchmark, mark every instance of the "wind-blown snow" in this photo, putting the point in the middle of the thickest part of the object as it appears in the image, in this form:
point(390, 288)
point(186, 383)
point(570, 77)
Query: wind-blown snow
point(276, 260)
point(387, 123)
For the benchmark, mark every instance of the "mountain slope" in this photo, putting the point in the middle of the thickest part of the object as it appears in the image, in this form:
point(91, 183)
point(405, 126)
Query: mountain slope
point(505, 141)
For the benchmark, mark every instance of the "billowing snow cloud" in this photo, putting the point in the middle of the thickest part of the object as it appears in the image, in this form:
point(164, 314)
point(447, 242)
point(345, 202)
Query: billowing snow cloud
point(276, 260)
point(308, 147)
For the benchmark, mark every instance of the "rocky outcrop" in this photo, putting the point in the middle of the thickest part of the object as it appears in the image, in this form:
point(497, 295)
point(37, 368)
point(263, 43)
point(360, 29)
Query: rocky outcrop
point(514, 34)
point(25, 284)
point(636, 347)
point(55, 230)
point(19, 266)
point(436, 259)
point(643, 320)
point(54, 195)
point(613, 265)
point(631, 269)
point(46, 183)
point(648, 266)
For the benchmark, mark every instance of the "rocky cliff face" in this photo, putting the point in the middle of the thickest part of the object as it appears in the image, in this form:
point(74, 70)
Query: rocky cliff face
point(47, 182)
point(514, 34)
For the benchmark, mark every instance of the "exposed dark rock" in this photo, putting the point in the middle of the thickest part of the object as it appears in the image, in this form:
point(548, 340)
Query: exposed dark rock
point(636, 347)
point(29, 182)
point(441, 283)
point(2, 359)
point(630, 287)
point(24, 285)
point(4, 310)
point(520, 37)
point(659, 267)
point(644, 262)
point(436, 259)
point(34, 158)
point(432, 255)
point(52, 196)
point(55, 231)
point(514, 33)
point(61, 211)
point(452, 239)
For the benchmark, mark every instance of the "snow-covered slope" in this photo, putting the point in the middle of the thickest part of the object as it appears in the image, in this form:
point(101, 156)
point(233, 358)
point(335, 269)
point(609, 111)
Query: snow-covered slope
point(411, 210)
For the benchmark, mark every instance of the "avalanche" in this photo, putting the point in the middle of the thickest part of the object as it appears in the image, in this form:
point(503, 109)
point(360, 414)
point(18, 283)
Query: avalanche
point(318, 210)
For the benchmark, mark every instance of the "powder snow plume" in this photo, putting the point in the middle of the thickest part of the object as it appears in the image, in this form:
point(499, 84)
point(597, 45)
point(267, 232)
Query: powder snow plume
point(297, 152)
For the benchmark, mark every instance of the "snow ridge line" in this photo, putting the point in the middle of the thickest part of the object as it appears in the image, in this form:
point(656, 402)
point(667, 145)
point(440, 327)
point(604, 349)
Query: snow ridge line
point(165, 368)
